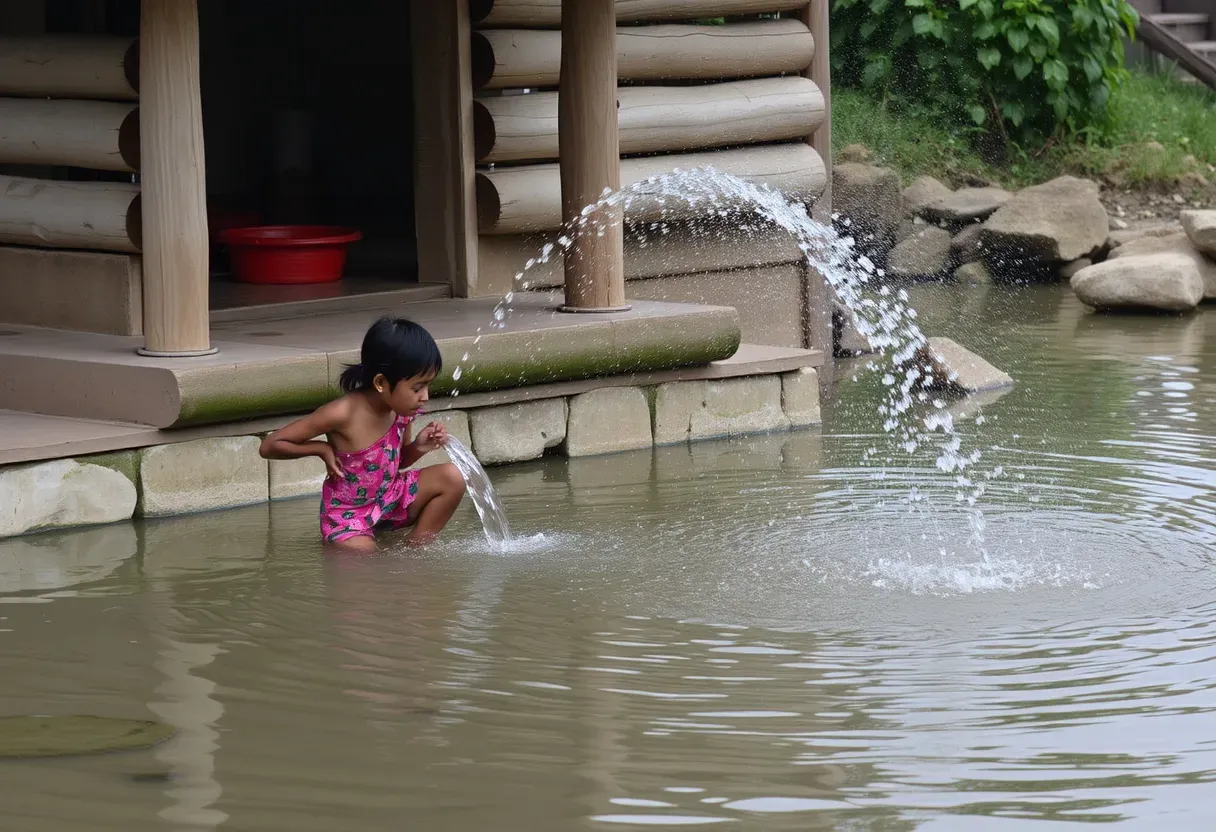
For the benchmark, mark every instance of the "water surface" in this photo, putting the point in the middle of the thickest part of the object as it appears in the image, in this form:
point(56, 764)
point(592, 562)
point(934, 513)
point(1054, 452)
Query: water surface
point(761, 634)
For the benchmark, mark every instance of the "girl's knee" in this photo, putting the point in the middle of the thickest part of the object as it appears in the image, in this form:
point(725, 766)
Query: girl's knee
point(452, 479)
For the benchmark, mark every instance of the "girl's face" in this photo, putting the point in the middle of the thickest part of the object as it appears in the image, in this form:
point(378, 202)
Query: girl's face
point(409, 395)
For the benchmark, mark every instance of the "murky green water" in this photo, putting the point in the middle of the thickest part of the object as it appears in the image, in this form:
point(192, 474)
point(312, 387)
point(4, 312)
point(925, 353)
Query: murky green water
point(758, 633)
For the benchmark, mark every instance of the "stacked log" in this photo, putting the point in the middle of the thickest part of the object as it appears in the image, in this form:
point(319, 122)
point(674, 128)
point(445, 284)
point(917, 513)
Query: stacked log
point(547, 14)
point(518, 128)
point(527, 199)
point(519, 58)
point(750, 120)
point(69, 101)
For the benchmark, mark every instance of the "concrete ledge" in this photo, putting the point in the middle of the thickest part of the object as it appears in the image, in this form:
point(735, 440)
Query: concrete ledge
point(85, 291)
point(225, 471)
point(266, 368)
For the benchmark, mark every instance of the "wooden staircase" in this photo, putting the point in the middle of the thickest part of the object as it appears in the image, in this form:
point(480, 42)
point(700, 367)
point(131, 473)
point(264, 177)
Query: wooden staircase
point(1182, 31)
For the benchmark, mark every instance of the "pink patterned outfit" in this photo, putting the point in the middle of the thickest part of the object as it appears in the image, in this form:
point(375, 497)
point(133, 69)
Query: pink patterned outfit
point(374, 493)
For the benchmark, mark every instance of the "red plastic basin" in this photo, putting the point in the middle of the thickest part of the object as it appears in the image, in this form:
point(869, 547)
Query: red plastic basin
point(288, 254)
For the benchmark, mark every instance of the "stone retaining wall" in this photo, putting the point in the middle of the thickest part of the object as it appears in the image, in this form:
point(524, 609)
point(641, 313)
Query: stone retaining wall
point(225, 472)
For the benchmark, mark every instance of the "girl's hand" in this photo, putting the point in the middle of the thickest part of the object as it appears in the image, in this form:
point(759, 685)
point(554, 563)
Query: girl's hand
point(330, 458)
point(431, 438)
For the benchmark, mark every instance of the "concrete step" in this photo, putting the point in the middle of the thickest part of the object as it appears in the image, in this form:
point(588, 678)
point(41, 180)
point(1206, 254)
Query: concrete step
point(1188, 28)
point(291, 365)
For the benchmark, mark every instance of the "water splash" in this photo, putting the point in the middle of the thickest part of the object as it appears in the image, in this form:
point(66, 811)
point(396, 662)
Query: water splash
point(912, 416)
point(481, 492)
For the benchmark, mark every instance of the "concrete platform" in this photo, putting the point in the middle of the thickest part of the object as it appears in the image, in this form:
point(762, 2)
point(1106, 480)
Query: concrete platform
point(29, 437)
point(291, 364)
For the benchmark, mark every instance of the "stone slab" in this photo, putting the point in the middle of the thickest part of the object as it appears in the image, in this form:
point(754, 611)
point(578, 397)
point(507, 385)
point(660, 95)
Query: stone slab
point(517, 432)
point(291, 478)
point(457, 423)
point(740, 406)
point(608, 421)
point(202, 475)
point(800, 398)
point(61, 494)
point(1200, 226)
point(674, 405)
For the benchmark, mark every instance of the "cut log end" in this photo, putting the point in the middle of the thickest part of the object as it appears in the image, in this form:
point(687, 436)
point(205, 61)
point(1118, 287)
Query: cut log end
point(130, 65)
point(128, 139)
point(485, 133)
point(135, 222)
point(489, 205)
point(481, 57)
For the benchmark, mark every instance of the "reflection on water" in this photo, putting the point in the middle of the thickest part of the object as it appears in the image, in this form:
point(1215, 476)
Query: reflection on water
point(762, 633)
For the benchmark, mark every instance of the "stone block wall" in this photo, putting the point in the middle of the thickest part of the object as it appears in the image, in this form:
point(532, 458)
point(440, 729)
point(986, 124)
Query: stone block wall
point(226, 472)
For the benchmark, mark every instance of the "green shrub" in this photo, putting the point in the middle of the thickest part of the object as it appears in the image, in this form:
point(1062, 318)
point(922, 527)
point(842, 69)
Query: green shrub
point(1019, 71)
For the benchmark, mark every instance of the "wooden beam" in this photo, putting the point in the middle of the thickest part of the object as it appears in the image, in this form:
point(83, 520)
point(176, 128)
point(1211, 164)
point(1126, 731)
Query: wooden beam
point(99, 135)
point(523, 128)
point(69, 66)
point(98, 216)
point(590, 162)
point(513, 58)
point(527, 198)
point(175, 277)
point(541, 14)
point(445, 188)
point(820, 332)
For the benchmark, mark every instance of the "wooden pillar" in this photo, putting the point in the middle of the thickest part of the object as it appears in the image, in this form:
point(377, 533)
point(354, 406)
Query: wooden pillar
point(174, 190)
point(820, 299)
point(590, 158)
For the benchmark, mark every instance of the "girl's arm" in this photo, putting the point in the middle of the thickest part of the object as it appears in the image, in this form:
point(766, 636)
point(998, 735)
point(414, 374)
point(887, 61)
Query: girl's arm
point(299, 439)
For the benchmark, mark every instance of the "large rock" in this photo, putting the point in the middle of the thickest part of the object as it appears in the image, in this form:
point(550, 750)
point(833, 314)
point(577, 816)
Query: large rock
point(856, 153)
point(922, 193)
point(607, 421)
point(976, 274)
point(870, 198)
point(1122, 237)
point(1174, 244)
point(925, 254)
point(517, 432)
point(1167, 282)
point(1056, 222)
point(1200, 226)
point(966, 205)
point(201, 475)
point(966, 246)
point(955, 368)
point(62, 493)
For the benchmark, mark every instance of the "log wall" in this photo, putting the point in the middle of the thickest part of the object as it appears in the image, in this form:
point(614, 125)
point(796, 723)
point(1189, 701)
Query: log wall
point(547, 14)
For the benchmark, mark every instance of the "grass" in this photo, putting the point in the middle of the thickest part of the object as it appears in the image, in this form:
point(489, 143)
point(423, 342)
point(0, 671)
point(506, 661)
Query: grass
point(1179, 118)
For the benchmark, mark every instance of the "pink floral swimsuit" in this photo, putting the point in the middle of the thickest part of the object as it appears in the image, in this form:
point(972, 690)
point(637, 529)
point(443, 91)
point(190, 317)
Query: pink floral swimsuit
point(374, 492)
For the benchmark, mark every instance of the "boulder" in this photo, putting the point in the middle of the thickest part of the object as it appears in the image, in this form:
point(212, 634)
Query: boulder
point(1056, 222)
point(1200, 226)
point(1119, 238)
point(854, 153)
point(62, 493)
point(975, 273)
point(965, 247)
point(870, 198)
point(925, 254)
point(922, 193)
point(1177, 243)
point(955, 368)
point(966, 205)
point(1168, 282)
point(1070, 269)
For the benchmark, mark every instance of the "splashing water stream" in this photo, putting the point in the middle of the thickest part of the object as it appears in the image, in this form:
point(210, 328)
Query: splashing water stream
point(481, 492)
point(912, 416)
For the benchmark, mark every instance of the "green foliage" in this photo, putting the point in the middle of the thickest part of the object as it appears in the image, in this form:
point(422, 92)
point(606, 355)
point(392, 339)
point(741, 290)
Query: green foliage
point(1018, 70)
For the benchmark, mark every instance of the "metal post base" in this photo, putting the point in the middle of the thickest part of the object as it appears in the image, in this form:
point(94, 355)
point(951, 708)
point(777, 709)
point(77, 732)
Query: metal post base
point(144, 351)
point(586, 310)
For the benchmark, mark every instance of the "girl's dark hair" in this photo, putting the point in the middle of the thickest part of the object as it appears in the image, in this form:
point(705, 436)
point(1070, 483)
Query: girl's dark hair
point(395, 348)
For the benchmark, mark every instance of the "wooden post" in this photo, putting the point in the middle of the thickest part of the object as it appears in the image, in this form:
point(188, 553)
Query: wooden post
point(175, 267)
point(820, 298)
point(445, 192)
point(590, 158)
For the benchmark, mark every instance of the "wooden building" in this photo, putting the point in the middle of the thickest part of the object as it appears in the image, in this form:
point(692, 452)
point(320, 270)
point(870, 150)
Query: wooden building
point(436, 128)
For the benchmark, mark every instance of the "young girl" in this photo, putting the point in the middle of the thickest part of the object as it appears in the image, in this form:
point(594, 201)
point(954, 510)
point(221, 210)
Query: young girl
point(365, 448)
